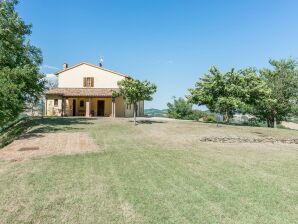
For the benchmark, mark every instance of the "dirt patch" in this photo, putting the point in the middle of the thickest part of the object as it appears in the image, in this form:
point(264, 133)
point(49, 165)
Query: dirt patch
point(30, 146)
point(249, 140)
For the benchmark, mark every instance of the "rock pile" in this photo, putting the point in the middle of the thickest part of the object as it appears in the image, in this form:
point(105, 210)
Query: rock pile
point(249, 140)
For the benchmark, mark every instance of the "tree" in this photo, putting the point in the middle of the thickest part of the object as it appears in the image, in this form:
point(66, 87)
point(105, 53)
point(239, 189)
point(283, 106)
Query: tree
point(220, 93)
point(20, 78)
point(235, 91)
point(133, 91)
point(270, 95)
point(208, 89)
point(281, 102)
point(180, 109)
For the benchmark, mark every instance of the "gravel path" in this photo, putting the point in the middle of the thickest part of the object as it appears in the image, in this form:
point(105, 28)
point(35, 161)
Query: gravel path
point(290, 125)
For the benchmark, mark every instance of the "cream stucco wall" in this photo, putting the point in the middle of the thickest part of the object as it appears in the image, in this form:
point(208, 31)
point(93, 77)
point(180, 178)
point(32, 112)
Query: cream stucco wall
point(52, 110)
point(122, 109)
point(73, 78)
point(129, 109)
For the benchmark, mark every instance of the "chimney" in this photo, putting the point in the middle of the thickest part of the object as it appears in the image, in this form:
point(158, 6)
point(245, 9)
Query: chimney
point(100, 62)
point(65, 66)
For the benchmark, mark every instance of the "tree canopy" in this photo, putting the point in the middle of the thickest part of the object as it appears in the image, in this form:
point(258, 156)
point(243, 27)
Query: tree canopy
point(282, 81)
point(270, 95)
point(20, 78)
point(134, 90)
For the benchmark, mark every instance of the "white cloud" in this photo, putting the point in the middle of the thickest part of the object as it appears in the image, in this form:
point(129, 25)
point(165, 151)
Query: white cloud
point(50, 67)
point(51, 76)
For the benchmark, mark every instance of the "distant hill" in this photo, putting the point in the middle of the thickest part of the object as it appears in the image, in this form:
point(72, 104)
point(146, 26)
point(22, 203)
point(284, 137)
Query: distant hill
point(156, 112)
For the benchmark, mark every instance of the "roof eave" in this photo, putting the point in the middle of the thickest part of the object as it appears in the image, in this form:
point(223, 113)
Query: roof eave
point(95, 66)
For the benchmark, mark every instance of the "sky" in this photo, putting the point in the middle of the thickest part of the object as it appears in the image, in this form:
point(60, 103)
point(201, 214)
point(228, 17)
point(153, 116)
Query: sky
point(171, 43)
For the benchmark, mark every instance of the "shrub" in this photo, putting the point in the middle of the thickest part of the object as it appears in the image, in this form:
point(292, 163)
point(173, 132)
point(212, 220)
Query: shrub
point(180, 109)
point(209, 118)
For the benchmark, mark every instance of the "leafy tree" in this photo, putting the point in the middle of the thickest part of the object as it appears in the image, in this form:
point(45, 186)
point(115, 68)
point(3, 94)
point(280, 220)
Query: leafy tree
point(208, 90)
point(20, 78)
point(133, 91)
point(180, 109)
point(232, 92)
point(10, 103)
point(270, 95)
point(220, 93)
point(281, 102)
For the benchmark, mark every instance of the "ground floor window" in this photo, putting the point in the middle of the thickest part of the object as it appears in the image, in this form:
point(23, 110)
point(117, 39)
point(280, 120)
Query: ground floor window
point(82, 103)
point(55, 102)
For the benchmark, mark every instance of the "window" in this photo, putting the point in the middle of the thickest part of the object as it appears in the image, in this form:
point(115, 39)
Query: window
point(55, 102)
point(88, 82)
point(82, 103)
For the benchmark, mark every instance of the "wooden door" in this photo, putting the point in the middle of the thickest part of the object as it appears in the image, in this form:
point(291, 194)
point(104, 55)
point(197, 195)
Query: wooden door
point(74, 108)
point(100, 108)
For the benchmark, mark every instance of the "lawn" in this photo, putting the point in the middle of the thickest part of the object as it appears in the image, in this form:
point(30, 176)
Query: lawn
point(155, 172)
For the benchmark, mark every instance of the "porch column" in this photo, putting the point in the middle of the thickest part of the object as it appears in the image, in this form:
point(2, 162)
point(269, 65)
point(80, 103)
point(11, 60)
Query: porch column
point(87, 114)
point(66, 112)
point(113, 108)
point(46, 107)
point(63, 107)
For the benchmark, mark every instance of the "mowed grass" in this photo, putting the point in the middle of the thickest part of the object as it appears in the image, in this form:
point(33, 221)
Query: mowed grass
point(155, 172)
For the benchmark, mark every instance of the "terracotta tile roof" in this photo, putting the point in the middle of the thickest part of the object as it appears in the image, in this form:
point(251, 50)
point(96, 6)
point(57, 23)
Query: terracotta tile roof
point(90, 92)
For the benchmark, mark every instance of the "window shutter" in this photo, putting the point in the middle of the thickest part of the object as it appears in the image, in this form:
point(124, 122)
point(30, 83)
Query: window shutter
point(84, 82)
point(92, 82)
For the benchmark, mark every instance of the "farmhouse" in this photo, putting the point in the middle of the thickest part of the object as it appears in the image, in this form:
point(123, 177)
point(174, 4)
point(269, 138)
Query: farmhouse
point(86, 90)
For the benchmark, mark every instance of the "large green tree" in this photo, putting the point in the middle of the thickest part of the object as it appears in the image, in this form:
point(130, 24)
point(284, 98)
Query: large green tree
point(270, 94)
point(133, 91)
point(20, 78)
point(221, 93)
point(229, 93)
point(282, 81)
point(208, 90)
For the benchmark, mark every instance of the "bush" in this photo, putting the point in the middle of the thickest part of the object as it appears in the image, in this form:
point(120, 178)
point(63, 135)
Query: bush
point(182, 109)
point(209, 118)
point(197, 115)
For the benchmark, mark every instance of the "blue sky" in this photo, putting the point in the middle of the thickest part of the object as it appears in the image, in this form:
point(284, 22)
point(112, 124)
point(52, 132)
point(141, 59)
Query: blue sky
point(171, 43)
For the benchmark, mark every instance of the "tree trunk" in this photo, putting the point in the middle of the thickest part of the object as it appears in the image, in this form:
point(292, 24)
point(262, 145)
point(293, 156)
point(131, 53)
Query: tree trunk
point(268, 123)
point(135, 109)
point(274, 122)
point(271, 123)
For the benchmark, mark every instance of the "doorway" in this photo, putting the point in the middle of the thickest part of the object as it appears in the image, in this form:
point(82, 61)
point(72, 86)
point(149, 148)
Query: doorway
point(74, 108)
point(100, 108)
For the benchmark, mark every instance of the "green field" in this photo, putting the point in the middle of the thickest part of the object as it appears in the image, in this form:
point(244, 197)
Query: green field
point(155, 172)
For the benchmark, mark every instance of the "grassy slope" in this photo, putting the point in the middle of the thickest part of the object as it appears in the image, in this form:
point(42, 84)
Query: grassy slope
point(155, 173)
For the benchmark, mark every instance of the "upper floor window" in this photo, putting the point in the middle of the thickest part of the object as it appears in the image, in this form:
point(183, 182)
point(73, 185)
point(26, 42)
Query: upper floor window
point(88, 82)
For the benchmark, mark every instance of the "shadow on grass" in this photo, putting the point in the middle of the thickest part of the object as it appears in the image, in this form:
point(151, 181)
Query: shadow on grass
point(54, 124)
point(233, 124)
point(36, 127)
